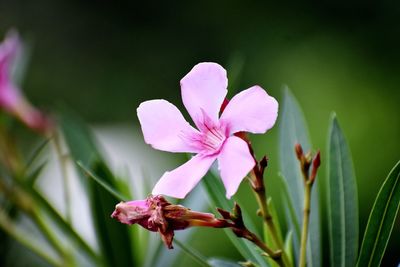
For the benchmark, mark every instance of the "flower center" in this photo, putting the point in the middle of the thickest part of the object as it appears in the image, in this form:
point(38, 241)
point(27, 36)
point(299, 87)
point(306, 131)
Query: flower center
point(212, 139)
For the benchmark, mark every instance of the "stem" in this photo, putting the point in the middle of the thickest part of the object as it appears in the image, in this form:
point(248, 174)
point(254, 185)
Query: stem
point(266, 215)
point(7, 225)
point(9, 155)
point(50, 236)
point(63, 224)
point(24, 201)
point(275, 255)
point(306, 219)
point(64, 174)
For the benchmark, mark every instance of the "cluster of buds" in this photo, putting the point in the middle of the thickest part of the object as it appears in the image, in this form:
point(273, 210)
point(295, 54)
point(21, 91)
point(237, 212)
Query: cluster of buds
point(156, 214)
point(306, 161)
point(11, 99)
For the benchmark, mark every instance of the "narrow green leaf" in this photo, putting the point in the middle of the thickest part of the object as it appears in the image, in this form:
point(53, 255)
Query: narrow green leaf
point(102, 183)
point(113, 237)
point(34, 175)
point(216, 193)
point(79, 139)
point(63, 224)
point(195, 255)
point(381, 220)
point(215, 262)
point(9, 227)
point(289, 247)
point(267, 234)
point(274, 214)
point(35, 154)
point(293, 130)
point(342, 200)
point(289, 208)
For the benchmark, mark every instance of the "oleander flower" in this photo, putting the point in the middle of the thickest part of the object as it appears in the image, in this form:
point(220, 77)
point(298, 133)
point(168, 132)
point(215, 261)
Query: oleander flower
point(11, 98)
point(156, 214)
point(203, 91)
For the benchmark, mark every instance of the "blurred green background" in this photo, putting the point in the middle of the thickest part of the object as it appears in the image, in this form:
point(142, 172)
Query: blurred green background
point(102, 58)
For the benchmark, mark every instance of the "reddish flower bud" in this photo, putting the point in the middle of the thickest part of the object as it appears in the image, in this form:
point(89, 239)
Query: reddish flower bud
point(299, 151)
point(315, 165)
point(156, 214)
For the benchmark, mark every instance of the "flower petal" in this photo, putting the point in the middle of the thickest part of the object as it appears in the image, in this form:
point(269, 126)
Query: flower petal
point(179, 182)
point(234, 163)
point(203, 90)
point(252, 110)
point(164, 127)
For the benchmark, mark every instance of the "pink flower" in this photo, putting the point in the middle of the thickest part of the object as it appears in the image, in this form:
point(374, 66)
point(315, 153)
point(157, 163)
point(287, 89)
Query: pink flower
point(11, 98)
point(203, 92)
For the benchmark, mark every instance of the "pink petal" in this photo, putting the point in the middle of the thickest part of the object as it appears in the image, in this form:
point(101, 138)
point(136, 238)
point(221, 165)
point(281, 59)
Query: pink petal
point(234, 163)
point(203, 90)
point(252, 110)
point(9, 50)
point(10, 96)
point(164, 127)
point(179, 182)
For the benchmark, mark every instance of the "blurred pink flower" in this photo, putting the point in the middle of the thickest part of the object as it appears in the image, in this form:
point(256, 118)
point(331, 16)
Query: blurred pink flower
point(204, 90)
point(11, 98)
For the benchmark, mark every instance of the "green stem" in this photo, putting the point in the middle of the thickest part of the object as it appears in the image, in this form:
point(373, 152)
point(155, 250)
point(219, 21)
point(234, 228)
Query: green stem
point(49, 235)
point(64, 174)
point(275, 255)
point(7, 225)
point(268, 219)
point(24, 202)
point(64, 225)
point(306, 219)
point(9, 155)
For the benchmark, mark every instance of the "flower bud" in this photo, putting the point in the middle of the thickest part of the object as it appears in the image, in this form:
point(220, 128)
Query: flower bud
point(315, 165)
point(156, 214)
point(299, 151)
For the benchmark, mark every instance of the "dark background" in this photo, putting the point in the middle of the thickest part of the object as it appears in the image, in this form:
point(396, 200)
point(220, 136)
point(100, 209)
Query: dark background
point(102, 58)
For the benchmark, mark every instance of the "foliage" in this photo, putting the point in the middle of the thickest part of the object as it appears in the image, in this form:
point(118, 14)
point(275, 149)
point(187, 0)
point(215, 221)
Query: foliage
point(121, 245)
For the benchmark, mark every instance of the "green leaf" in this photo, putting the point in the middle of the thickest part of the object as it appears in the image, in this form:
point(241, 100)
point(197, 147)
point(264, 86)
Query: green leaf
point(194, 254)
point(63, 224)
point(342, 200)
point(215, 262)
point(288, 203)
point(267, 234)
point(113, 237)
point(274, 214)
point(216, 193)
point(24, 238)
point(293, 130)
point(102, 183)
point(34, 175)
point(289, 247)
point(35, 154)
point(79, 139)
point(381, 220)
